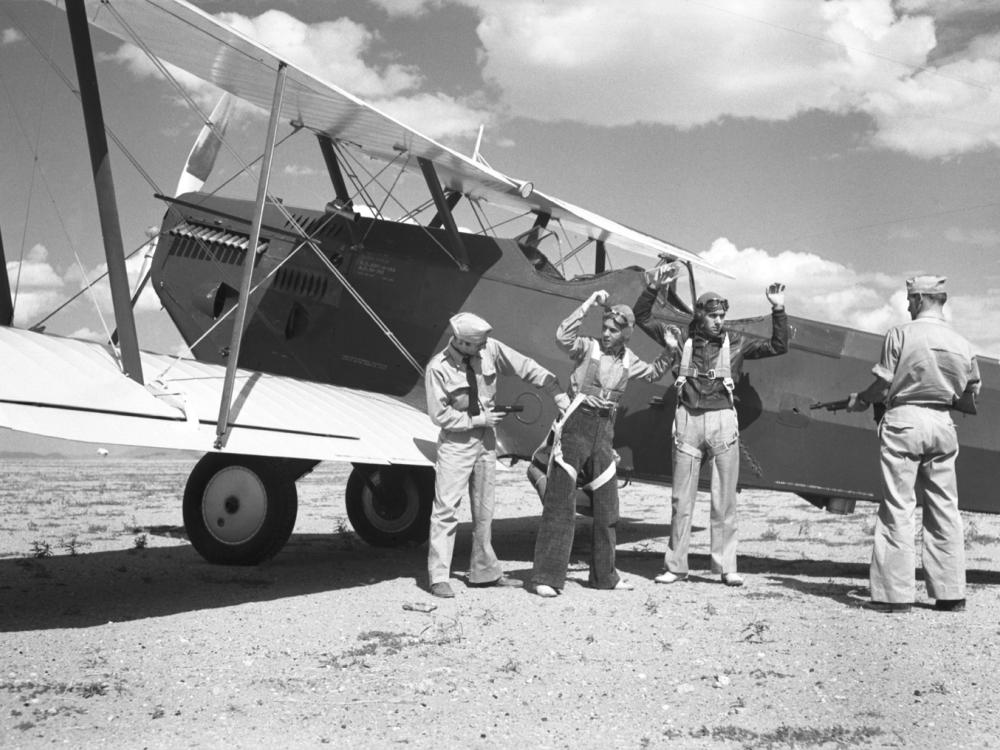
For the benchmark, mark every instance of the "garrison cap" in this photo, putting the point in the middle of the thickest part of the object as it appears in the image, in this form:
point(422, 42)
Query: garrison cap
point(470, 327)
point(622, 315)
point(926, 285)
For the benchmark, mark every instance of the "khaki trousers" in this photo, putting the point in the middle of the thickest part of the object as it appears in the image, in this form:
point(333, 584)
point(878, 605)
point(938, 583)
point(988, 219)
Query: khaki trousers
point(466, 465)
point(918, 451)
point(697, 432)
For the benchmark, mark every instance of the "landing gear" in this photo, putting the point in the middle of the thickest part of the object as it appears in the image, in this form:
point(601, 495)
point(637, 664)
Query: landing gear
point(240, 510)
point(390, 505)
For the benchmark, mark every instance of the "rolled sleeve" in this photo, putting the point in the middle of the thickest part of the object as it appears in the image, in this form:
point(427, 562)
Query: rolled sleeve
point(891, 345)
point(439, 408)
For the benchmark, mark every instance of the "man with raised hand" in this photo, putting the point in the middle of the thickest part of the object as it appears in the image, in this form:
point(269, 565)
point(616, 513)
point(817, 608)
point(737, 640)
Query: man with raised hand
point(584, 436)
point(705, 424)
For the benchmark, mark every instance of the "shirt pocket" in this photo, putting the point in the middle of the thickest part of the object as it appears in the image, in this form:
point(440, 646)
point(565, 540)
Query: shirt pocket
point(489, 372)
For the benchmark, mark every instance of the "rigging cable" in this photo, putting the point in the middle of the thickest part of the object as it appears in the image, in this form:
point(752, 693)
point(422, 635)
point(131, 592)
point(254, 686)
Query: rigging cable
point(278, 205)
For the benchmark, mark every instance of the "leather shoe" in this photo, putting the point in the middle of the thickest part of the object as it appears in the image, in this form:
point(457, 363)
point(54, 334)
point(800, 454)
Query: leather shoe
point(669, 577)
point(623, 585)
point(443, 590)
point(545, 591)
point(502, 582)
point(950, 605)
point(889, 607)
point(732, 579)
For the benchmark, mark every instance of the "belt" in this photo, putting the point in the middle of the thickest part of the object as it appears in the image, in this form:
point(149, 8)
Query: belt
point(936, 407)
point(597, 411)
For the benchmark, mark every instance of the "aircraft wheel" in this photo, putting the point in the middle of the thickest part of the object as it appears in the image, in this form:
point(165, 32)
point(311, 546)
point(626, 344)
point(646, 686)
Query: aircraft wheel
point(239, 510)
point(390, 505)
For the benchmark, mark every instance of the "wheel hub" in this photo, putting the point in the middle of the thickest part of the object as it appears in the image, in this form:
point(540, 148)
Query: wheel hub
point(234, 505)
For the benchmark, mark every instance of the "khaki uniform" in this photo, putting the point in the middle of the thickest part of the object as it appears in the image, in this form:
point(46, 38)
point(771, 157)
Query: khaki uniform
point(927, 365)
point(466, 454)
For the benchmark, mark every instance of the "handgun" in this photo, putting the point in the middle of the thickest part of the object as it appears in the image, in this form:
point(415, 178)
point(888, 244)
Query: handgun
point(831, 405)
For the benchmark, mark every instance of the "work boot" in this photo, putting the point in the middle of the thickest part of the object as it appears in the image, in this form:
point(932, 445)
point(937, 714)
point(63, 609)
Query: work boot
point(443, 590)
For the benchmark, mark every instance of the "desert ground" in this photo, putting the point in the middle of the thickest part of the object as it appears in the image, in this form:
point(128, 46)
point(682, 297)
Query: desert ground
point(114, 633)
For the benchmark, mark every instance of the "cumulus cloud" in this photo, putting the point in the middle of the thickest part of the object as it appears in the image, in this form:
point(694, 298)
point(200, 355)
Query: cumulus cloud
point(689, 64)
point(817, 288)
point(38, 286)
point(407, 8)
point(42, 287)
point(825, 290)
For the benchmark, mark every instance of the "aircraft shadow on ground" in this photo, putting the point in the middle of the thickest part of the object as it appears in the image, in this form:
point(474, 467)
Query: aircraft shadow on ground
point(84, 590)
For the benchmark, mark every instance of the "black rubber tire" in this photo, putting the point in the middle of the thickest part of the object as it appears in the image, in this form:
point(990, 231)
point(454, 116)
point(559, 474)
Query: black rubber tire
point(239, 510)
point(390, 505)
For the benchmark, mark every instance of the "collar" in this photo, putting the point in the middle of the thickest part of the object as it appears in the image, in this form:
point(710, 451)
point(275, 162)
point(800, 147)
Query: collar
point(620, 354)
point(701, 333)
point(930, 317)
point(457, 358)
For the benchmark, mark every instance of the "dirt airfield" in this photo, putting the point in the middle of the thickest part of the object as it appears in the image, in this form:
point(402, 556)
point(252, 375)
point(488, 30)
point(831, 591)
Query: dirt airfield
point(114, 633)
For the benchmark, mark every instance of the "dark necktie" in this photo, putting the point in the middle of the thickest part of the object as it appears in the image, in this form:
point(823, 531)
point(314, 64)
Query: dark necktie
point(470, 377)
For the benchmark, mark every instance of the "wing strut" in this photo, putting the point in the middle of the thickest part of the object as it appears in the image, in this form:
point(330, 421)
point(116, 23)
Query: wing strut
point(452, 197)
point(222, 428)
point(6, 303)
point(333, 168)
point(600, 257)
point(100, 162)
point(444, 212)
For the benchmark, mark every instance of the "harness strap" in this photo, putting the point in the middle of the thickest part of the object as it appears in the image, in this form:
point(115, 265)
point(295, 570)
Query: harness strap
point(603, 478)
point(723, 369)
point(589, 376)
point(556, 455)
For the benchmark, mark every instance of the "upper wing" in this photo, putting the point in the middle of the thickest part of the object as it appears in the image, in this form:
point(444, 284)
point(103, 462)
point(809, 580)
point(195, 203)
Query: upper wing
point(74, 389)
point(180, 33)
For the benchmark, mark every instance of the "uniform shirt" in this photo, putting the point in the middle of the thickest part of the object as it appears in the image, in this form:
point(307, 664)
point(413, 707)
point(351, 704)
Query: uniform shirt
point(612, 365)
point(445, 379)
point(926, 363)
point(703, 392)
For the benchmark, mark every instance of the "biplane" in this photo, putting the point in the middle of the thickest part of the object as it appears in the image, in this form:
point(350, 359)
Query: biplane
point(309, 326)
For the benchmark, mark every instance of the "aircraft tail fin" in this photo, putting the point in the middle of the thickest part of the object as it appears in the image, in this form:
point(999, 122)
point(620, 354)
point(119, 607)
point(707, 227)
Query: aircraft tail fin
point(201, 160)
point(6, 302)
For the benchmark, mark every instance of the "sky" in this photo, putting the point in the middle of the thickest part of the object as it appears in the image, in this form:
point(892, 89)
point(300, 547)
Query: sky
point(837, 146)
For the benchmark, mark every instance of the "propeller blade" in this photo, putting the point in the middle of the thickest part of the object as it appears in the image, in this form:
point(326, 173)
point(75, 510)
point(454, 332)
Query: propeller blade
point(201, 160)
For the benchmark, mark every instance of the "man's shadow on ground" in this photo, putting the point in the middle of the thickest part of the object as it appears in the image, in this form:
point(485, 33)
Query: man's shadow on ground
point(83, 590)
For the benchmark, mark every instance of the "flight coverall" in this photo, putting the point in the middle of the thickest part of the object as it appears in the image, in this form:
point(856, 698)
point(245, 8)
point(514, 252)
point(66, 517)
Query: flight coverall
point(586, 435)
point(705, 422)
point(927, 365)
point(466, 454)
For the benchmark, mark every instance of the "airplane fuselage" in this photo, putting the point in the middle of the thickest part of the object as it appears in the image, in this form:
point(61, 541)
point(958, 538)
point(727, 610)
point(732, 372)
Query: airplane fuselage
point(303, 323)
